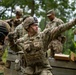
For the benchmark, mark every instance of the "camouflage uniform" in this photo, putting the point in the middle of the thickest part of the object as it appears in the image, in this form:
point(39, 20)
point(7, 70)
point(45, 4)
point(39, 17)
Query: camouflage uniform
point(56, 45)
point(54, 23)
point(20, 31)
point(4, 30)
point(14, 22)
point(35, 48)
point(15, 54)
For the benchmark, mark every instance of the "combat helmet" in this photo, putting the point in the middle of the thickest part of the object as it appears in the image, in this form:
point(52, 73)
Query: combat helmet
point(4, 30)
point(29, 21)
point(36, 20)
point(50, 12)
point(19, 12)
point(4, 26)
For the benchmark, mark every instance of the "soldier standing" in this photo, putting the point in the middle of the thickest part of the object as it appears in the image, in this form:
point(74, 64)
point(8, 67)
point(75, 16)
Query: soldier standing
point(56, 45)
point(36, 45)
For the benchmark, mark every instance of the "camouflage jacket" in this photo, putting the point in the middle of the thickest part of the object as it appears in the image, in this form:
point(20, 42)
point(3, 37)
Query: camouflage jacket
point(35, 47)
point(54, 23)
point(60, 39)
point(20, 31)
point(14, 23)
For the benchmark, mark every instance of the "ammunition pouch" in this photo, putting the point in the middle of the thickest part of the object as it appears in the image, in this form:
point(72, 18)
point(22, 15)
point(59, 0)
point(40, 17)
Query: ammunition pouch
point(62, 38)
point(56, 46)
point(33, 53)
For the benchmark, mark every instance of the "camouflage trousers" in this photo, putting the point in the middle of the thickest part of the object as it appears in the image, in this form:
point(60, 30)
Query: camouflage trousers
point(37, 71)
point(56, 47)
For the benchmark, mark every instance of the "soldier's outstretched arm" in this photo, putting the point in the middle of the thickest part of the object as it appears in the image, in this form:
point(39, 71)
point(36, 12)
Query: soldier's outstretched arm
point(51, 33)
point(62, 28)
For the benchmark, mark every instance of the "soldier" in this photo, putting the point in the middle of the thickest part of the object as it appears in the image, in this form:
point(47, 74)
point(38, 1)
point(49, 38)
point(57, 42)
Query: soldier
point(36, 45)
point(19, 32)
point(4, 30)
point(56, 45)
point(54, 21)
point(14, 22)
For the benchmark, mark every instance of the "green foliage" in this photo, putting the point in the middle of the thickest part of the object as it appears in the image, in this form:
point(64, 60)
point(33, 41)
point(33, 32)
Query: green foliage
point(67, 52)
point(73, 49)
point(61, 7)
point(42, 24)
point(69, 45)
point(5, 55)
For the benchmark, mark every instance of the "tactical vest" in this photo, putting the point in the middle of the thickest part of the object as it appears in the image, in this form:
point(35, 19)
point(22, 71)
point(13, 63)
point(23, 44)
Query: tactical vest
point(35, 54)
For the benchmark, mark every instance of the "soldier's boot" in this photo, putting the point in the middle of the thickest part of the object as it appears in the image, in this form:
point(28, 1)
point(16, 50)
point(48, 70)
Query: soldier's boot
point(46, 72)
